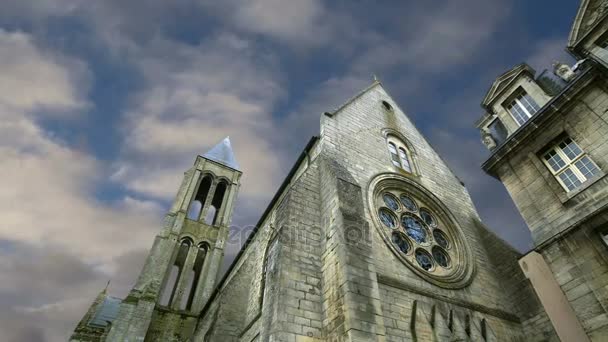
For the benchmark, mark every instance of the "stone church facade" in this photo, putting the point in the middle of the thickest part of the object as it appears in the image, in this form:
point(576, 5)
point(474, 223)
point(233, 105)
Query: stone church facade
point(371, 236)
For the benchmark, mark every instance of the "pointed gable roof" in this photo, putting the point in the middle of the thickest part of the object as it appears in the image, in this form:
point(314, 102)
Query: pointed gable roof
point(590, 12)
point(358, 95)
point(222, 153)
point(503, 81)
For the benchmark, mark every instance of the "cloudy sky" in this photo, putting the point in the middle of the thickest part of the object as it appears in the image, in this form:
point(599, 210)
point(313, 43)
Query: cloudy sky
point(104, 104)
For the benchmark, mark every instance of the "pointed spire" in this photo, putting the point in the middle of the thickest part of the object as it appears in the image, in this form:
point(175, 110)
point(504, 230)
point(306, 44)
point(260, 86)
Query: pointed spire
point(105, 290)
point(222, 153)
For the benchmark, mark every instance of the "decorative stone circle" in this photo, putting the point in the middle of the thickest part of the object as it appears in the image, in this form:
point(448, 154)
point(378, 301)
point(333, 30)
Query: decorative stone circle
point(420, 231)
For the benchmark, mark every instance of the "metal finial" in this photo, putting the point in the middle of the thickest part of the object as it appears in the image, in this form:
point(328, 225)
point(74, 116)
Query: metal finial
point(375, 78)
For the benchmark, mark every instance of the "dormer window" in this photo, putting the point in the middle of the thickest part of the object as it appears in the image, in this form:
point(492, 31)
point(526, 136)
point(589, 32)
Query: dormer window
point(570, 164)
point(522, 106)
point(399, 154)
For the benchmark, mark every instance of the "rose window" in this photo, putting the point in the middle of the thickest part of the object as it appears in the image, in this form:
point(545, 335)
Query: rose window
point(421, 232)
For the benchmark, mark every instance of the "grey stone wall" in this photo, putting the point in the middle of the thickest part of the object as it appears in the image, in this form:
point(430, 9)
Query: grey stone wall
point(363, 121)
point(328, 275)
point(578, 262)
point(543, 203)
point(564, 225)
point(280, 299)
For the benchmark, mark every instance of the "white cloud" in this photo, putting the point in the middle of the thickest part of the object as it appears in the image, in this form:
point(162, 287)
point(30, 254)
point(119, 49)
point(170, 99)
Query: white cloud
point(34, 79)
point(53, 229)
point(191, 101)
point(302, 23)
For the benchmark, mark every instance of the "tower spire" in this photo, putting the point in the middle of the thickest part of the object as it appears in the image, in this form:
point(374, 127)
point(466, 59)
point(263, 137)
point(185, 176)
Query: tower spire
point(223, 154)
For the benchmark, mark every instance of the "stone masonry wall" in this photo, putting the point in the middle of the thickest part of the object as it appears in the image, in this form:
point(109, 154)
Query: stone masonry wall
point(543, 203)
point(578, 262)
point(577, 258)
point(283, 302)
point(363, 120)
point(317, 282)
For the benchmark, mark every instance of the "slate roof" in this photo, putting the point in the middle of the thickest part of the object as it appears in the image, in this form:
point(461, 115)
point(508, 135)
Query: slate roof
point(106, 312)
point(223, 154)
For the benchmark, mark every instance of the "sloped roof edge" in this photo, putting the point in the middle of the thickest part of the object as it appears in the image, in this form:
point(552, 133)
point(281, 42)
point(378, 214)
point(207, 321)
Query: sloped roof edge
point(223, 154)
point(505, 78)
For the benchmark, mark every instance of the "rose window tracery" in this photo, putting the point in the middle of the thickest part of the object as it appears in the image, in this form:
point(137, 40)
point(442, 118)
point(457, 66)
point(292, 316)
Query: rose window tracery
point(421, 232)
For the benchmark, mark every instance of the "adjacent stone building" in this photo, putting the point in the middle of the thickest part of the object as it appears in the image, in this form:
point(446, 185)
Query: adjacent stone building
point(371, 237)
point(548, 137)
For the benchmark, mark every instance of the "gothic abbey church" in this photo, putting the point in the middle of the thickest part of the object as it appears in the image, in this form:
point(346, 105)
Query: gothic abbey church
point(371, 237)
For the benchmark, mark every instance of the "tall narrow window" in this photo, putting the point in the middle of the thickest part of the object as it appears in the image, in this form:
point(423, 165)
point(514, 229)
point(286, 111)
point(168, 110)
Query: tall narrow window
point(216, 203)
point(197, 268)
point(176, 271)
point(394, 156)
point(522, 107)
point(405, 163)
point(399, 153)
point(569, 164)
point(194, 210)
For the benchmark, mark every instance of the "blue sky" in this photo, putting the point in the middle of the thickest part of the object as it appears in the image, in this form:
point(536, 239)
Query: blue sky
point(103, 105)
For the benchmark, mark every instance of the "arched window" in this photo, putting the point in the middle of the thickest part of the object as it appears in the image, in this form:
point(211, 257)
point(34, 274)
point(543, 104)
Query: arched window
point(216, 203)
point(405, 162)
point(199, 261)
point(392, 148)
point(194, 210)
point(399, 153)
point(176, 271)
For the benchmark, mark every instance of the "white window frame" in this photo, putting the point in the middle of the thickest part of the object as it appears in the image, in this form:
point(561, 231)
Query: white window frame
point(569, 164)
point(401, 156)
point(516, 100)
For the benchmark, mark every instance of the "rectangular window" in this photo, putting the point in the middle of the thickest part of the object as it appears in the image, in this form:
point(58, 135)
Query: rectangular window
point(569, 164)
point(522, 107)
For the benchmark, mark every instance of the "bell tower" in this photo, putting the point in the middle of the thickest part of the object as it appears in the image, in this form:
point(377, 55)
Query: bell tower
point(183, 265)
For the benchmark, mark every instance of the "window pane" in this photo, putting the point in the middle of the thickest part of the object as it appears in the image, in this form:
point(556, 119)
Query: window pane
point(555, 161)
point(394, 157)
point(404, 161)
point(520, 116)
point(570, 148)
point(529, 103)
point(569, 179)
point(414, 229)
point(586, 167)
